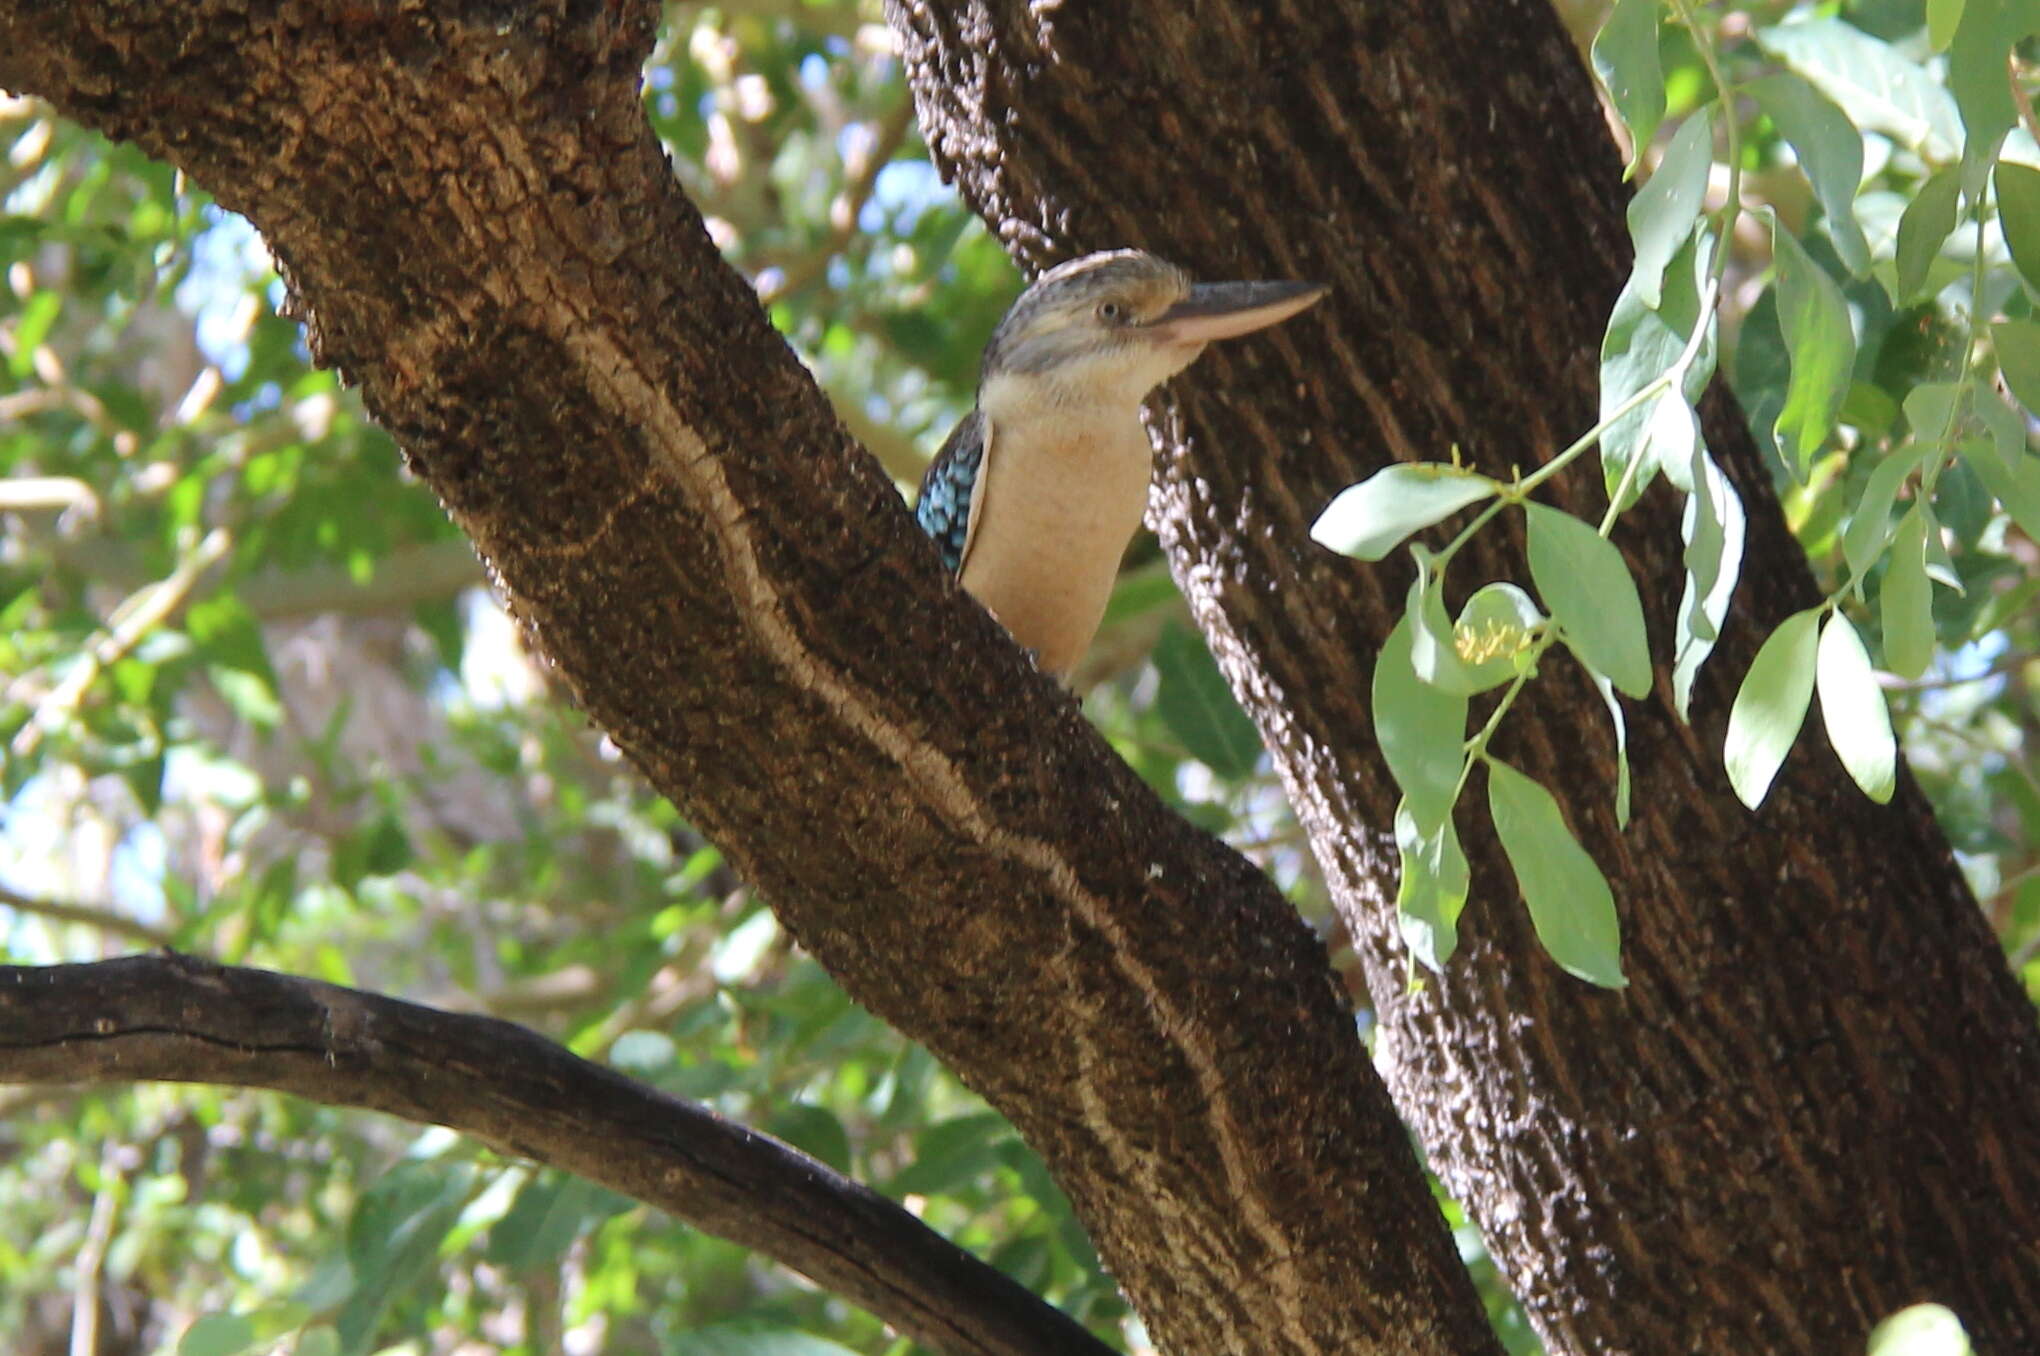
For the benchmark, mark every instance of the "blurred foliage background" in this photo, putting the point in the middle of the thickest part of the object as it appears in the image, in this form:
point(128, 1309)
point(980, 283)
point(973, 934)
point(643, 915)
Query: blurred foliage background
point(257, 703)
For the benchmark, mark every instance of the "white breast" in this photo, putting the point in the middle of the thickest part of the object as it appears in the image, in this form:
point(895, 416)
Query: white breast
point(1066, 492)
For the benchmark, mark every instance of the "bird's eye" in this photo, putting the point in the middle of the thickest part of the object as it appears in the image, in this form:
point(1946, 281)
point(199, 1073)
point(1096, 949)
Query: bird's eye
point(1111, 312)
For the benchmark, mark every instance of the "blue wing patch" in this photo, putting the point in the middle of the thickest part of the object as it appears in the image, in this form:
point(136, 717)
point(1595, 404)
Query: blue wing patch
point(944, 507)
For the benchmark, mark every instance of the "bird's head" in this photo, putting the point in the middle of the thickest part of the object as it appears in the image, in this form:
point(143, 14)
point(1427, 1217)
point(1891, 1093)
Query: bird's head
point(1108, 328)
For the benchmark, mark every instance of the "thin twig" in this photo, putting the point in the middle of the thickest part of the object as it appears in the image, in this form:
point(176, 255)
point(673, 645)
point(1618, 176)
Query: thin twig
point(92, 1255)
point(891, 133)
point(131, 623)
point(2007, 664)
point(31, 494)
point(107, 920)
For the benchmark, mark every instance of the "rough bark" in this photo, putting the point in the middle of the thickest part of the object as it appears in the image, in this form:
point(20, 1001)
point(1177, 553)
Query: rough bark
point(481, 231)
point(173, 1018)
point(1819, 1098)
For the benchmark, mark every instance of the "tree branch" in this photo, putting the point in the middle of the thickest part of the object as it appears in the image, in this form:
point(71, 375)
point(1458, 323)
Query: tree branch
point(178, 1019)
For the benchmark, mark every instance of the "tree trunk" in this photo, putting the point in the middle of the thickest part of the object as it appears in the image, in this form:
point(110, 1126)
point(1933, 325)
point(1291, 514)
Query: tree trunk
point(1818, 1099)
point(480, 230)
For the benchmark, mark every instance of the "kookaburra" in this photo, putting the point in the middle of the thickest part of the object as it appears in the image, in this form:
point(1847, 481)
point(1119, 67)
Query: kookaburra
point(1034, 497)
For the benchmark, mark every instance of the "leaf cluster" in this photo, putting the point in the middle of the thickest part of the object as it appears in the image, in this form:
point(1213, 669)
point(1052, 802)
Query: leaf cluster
point(1905, 201)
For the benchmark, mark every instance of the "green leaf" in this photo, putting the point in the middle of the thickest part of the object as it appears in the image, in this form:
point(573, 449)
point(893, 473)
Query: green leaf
point(1907, 604)
point(2018, 199)
point(1432, 893)
point(1640, 344)
point(1662, 213)
point(145, 779)
point(1822, 347)
point(1587, 586)
point(1870, 525)
point(226, 632)
point(1868, 409)
point(1494, 634)
point(386, 848)
point(1713, 529)
point(1570, 903)
point(1932, 409)
point(2003, 464)
point(31, 328)
point(1925, 227)
point(1367, 521)
point(1920, 1330)
point(1853, 709)
point(329, 1284)
point(550, 1212)
point(1434, 653)
point(1421, 729)
point(274, 1320)
point(1942, 17)
point(1198, 707)
point(217, 1335)
point(1770, 707)
point(951, 1154)
point(1140, 591)
point(1977, 73)
point(1625, 56)
point(1830, 151)
point(1607, 691)
point(1965, 511)
point(399, 1216)
point(250, 696)
point(1670, 436)
point(1940, 565)
point(814, 1130)
point(2017, 486)
point(318, 1340)
point(396, 1228)
point(2017, 344)
point(1879, 88)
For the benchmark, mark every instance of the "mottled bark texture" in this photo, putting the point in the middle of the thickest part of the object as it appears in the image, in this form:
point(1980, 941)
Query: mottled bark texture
point(480, 230)
point(1818, 1099)
point(173, 1018)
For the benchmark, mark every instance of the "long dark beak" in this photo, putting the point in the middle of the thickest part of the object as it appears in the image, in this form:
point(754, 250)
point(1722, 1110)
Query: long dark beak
point(1226, 310)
